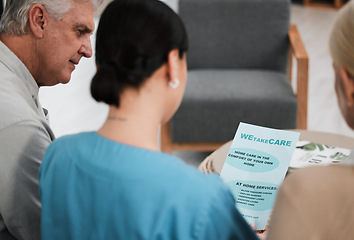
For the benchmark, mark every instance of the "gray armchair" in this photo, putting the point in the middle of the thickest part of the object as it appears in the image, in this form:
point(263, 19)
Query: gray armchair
point(239, 69)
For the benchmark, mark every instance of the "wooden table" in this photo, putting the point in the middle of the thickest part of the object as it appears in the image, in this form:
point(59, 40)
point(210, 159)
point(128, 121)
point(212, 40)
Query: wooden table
point(215, 161)
point(312, 3)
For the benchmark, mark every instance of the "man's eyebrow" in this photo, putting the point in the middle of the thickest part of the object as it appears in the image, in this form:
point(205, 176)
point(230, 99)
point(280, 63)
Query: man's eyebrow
point(83, 28)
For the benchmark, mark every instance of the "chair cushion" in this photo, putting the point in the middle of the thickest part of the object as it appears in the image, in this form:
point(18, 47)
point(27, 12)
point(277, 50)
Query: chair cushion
point(237, 33)
point(215, 101)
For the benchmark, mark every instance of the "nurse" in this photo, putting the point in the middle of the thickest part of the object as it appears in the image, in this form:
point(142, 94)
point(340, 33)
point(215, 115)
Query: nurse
point(115, 183)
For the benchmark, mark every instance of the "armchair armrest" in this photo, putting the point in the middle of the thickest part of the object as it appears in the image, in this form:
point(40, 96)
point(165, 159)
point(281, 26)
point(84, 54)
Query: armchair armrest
point(297, 49)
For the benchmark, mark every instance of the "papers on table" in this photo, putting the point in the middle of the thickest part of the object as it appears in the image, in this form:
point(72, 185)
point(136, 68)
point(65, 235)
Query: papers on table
point(308, 153)
point(256, 164)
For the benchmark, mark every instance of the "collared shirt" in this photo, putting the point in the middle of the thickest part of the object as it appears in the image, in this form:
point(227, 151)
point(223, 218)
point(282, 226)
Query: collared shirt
point(24, 136)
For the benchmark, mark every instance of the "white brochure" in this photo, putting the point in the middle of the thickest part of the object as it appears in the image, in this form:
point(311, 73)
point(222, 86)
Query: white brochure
point(255, 166)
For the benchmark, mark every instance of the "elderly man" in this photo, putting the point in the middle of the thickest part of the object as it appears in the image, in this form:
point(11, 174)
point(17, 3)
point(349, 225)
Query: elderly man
point(41, 41)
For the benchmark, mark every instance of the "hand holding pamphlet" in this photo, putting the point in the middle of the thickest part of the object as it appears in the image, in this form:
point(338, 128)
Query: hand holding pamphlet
point(255, 166)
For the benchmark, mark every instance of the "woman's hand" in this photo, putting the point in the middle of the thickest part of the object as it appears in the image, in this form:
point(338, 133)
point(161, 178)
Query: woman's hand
point(261, 234)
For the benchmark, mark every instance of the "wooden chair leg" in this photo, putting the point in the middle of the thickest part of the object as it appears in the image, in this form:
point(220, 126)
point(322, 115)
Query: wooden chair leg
point(307, 2)
point(338, 3)
point(302, 93)
point(300, 53)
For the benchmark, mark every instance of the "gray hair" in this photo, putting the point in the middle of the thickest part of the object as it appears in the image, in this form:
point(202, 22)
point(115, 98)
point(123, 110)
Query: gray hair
point(16, 13)
point(341, 41)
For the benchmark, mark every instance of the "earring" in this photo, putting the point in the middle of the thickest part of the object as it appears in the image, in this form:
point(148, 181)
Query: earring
point(349, 103)
point(174, 84)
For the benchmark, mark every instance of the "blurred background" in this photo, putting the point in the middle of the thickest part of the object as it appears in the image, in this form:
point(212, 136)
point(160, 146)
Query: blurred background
point(73, 110)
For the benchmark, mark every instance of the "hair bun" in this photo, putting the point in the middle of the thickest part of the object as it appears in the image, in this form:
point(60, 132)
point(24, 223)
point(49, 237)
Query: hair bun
point(104, 85)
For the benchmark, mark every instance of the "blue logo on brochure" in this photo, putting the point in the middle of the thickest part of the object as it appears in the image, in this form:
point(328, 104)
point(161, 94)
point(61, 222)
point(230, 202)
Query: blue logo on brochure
point(251, 160)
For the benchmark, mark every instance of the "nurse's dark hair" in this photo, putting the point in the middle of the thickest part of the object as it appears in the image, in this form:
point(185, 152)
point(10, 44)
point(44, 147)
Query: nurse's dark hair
point(134, 38)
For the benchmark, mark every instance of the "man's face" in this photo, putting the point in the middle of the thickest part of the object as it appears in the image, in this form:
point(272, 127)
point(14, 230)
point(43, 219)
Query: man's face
point(64, 43)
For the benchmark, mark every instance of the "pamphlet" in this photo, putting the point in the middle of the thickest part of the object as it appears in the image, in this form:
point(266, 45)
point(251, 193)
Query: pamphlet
point(308, 153)
point(254, 168)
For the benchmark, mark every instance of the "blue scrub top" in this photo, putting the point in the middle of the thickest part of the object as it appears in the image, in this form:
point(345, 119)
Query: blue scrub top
point(95, 188)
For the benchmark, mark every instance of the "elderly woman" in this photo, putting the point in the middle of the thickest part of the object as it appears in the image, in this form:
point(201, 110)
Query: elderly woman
point(317, 202)
point(115, 183)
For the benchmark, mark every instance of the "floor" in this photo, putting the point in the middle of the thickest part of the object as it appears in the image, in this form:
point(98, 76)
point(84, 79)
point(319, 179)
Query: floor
point(73, 110)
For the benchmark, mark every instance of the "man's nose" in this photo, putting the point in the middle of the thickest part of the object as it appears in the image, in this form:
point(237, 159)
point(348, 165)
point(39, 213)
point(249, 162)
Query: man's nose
point(86, 49)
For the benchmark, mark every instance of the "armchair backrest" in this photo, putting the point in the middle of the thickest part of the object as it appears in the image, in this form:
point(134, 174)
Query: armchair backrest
point(241, 34)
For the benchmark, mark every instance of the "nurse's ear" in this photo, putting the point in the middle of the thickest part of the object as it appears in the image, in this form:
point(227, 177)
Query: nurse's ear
point(173, 69)
point(348, 83)
point(38, 20)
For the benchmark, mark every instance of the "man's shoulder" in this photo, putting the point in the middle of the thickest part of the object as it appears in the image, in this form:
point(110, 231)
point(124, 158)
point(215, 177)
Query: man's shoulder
point(322, 178)
point(13, 115)
point(15, 106)
point(319, 173)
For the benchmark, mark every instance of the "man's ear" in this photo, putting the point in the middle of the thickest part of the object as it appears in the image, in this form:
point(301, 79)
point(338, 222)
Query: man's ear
point(348, 83)
point(38, 20)
point(172, 64)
